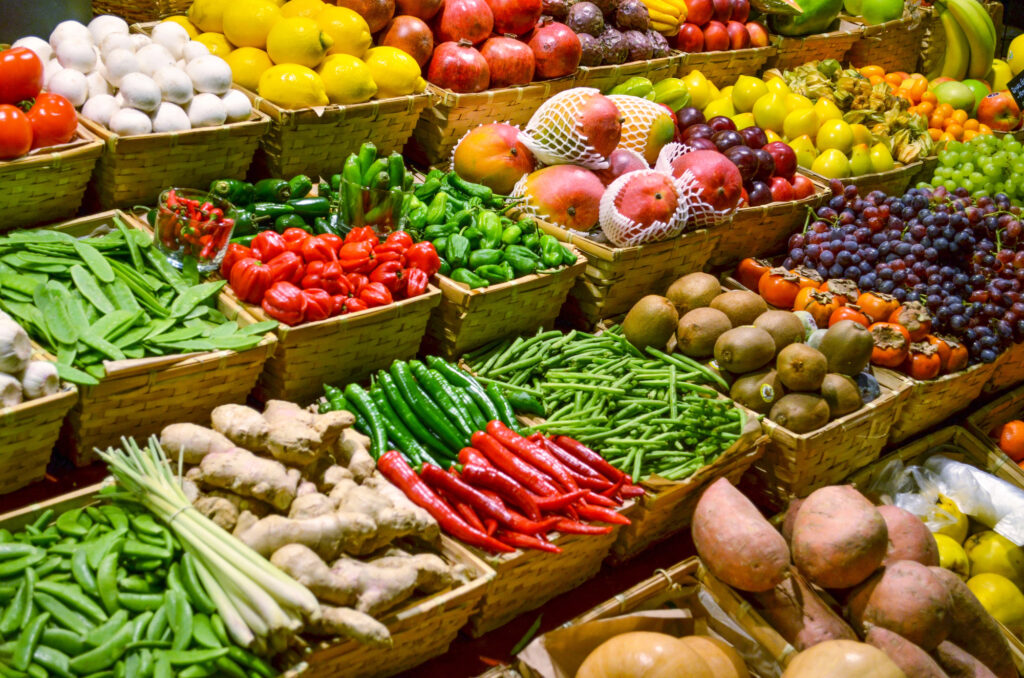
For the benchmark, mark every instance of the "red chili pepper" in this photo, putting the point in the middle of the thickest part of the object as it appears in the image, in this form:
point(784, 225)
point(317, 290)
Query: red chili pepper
point(398, 239)
point(358, 257)
point(314, 249)
point(268, 244)
point(314, 276)
point(527, 541)
point(335, 241)
point(467, 512)
point(375, 294)
point(570, 462)
point(533, 453)
point(600, 500)
point(496, 481)
point(250, 279)
point(318, 305)
point(395, 469)
point(296, 239)
point(599, 484)
point(363, 234)
point(630, 491)
point(528, 476)
point(222, 234)
point(575, 527)
point(492, 526)
point(468, 455)
point(333, 278)
point(356, 282)
point(287, 267)
point(391, 275)
point(234, 254)
point(602, 514)
point(560, 501)
point(416, 282)
point(285, 302)
point(423, 256)
point(614, 489)
point(589, 457)
point(172, 199)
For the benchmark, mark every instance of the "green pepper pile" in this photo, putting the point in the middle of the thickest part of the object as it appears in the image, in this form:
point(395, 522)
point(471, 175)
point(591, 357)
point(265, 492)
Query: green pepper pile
point(477, 243)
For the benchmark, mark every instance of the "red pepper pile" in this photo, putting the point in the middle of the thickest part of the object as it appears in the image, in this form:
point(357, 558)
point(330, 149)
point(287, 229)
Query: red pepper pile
point(298, 277)
point(513, 490)
point(197, 229)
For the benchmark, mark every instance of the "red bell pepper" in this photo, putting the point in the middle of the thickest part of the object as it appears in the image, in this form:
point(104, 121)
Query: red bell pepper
point(385, 253)
point(416, 282)
point(358, 257)
point(391, 275)
point(315, 249)
point(267, 245)
point(342, 304)
point(233, 255)
point(285, 302)
point(398, 239)
point(363, 234)
point(356, 283)
point(375, 294)
point(423, 256)
point(250, 279)
point(314, 275)
point(296, 238)
point(335, 241)
point(319, 305)
point(334, 280)
point(287, 267)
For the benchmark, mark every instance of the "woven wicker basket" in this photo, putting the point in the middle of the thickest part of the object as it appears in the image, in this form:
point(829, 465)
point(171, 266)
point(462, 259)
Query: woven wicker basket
point(765, 230)
point(928, 403)
point(47, 185)
point(337, 350)
point(725, 66)
point(606, 77)
point(451, 115)
point(894, 182)
point(140, 397)
point(616, 277)
point(793, 52)
point(140, 10)
point(1009, 370)
point(419, 631)
point(996, 413)
point(893, 45)
point(134, 170)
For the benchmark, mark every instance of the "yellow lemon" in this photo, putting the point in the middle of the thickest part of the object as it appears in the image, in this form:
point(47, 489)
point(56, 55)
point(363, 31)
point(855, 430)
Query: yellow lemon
point(743, 120)
point(805, 151)
point(247, 22)
point(1001, 74)
point(713, 91)
point(347, 79)
point(835, 134)
point(183, 21)
point(827, 110)
point(772, 135)
point(1015, 55)
point(719, 107)
point(307, 8)
point(777, 85)
point(247, 65)
point(860, 160)
point(946, 512)
point(952, 556)
point(795, 101)
point(881, 160)
point(216, 43)
point(298, 40)
point(990, 552)
point(395, 72)
point(861, 134)
point(699, 88)
point(770, 111)
point(746, 91)
point(831, 164)
point(207, 15)
point(347, 28)
point(1000, 597)
point(800, 122)
point(292, 86)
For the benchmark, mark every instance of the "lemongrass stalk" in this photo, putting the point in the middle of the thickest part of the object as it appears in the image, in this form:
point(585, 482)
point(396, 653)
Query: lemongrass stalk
point(233, 622)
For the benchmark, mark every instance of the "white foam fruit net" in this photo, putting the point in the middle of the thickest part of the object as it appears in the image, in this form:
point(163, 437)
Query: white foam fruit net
point(553, 134)
point(623, 231)
point(701, 213)
point(638, 114)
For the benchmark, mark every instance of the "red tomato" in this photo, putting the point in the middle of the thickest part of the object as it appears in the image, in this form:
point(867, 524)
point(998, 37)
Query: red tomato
point(53, 119)
point(21, 75)
point(15, 133)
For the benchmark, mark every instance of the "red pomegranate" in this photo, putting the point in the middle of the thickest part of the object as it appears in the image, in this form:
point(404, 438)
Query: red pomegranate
point(411, 35)
point(566, 195)
point(621, 161)
point(556, 49)
point(515, 16)
point(458, 66)
point(463, 20)
point(421, 9)
point(376, 12)
point(510, 60)
point(492, 155)
point(719, 179)
point(646, 197)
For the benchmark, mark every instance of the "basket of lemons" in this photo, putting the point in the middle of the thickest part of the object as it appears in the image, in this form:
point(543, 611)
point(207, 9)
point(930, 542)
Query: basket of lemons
point(313, 69)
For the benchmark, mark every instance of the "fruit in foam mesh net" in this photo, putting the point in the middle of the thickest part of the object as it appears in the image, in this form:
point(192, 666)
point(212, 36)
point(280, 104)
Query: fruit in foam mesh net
point(646, 197)
point(493, 155)
point(717, 178)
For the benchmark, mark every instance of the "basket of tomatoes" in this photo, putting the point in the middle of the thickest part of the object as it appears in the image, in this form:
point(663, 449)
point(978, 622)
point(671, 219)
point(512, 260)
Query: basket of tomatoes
point(46, 157)
point(1001, 425)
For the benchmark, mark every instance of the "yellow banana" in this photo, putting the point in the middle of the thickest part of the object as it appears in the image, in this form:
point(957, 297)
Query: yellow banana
point(660, 17)
point(984, 18)
point(958, 52)
point(975, 27)
point(662, 7)
point(665, 29)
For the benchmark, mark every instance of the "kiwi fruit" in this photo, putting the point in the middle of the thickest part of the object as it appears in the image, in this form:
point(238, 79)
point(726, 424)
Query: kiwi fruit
point(784, 327)
point(693, 290)
point(801, 368)
point(847, 345)
point(742, 306)
point(699, 330)
point(651, 322)
point(744, 349)
point(800, 412)
point(757, 391)
point(841, 393)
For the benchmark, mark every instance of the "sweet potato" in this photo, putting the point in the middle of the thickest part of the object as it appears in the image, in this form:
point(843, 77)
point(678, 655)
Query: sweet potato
point(909, 537)
point(735, 541)
point(906, 598)
point(790, 520)
point(974, 629)
point(910, 658)
point(839, 537)
point(959, 663)
point(800, 615)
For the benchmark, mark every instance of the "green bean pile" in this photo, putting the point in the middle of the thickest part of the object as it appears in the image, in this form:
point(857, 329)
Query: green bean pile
point(651, 414)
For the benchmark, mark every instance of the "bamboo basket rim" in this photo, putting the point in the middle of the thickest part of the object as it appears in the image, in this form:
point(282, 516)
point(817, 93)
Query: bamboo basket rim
point(450, 98)
point(839, 33)
point(591, 71)
point(452, 288)
point(112, 139)
point(718, 55)
point(85, 143)
point(370, 109)
point(608, 252)
point(67, 391)
point(913, 18)
point(908, 168)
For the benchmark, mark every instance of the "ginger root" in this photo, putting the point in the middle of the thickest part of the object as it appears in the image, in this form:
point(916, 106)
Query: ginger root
point(328, 535)
point(344, 621)
point(352, 451)
point(219, 510)
point(242, 425)
point(310, 506)
point(192, 442)
point(427, 528)
point(244, 473)
point(285, 431)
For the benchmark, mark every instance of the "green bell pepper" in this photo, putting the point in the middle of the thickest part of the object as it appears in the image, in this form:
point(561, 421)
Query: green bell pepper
point(418, 217)
point(495, 273)
point(568, 256)
point(472, 233)
point(445, 267)
point(521, 264)
point(458, 250)
point(511, 235)
point(441, 245)
point(530, 239)
point(466, 276)
point(490, 228)
point(435, 231)
point(550, 251)
point(485, 257)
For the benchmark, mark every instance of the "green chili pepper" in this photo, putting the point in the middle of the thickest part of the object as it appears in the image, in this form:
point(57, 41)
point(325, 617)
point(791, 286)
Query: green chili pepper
point(299, 186)
point(530, 240)
point(271, 209)
point(286, 221)
point(244, 240)
point(464, 275)
point(396, 171)
point(367, 154)
point(464, 219)
point(551, 251)
point(371, 174)
point(568, 256)
point(458, 250)
point(485, 257)
point(335, 182)
point(445, 268)
point(427, 189)
point(436, 211)
point(417, 217)
point(321, 226)
point(490, 228)
point(435, 231)
point(244, 224)
point(511, 234)
point(494, 273)
point(311, 207)
point(521, 264)
point(469, 188)
point(271, 190)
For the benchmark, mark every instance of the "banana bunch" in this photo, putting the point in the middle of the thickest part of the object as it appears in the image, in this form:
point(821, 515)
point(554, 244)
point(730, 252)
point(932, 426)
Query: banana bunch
point(970, 40)
point(666, 15)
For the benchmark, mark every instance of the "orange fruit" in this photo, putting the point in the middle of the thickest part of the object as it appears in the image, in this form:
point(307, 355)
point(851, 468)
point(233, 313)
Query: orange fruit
point(934, 133)
point(960, 116)
point(945, 110)
point(929, 97)
point(868, 71)
point(903, 75)
point(946, 136)
point(893, 79)
point(956, 130)
point(875, 79)
point(926, 108)
point(937, 120)
point(969, 134)
point(984, 129)
point(971, 125)
point(917, 88)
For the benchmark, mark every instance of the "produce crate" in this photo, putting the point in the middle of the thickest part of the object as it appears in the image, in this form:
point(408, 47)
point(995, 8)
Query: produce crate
point(48, 184)
point(793, 52)
point(893, 45)
point(451, 115)
point(140, 397)
point(466, 319)
point(713, 607)
point(1009, 369)
point(134, 170)
point(724, 66)
point(337, 350)
point(764, 230)
point(616, 277)
point(928, 403)
point(796, 464)
point(606, 77)
point(140, 10)
point(996, 413)
point(894, 182)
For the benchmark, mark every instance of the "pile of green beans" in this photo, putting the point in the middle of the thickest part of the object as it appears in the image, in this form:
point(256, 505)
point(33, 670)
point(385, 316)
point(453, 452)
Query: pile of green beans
point(105, 591)
point(647, 414)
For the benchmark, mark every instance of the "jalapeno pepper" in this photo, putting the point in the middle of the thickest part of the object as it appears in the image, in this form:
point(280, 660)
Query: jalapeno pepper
point(457, 251)
point(244, 224)
point(311, 207)
point(271, 190)
point(238, 193)
point(286, 221)
point(271, 209)
point(485, 257)
point(299, 186)
point(466, 276)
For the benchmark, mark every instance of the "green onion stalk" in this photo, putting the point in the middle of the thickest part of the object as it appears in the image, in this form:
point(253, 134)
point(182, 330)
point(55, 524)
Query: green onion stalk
point(261, 606)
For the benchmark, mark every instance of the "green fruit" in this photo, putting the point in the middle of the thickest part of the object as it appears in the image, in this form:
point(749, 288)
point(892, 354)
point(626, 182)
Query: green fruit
point(980, 89)
point(879, 11)
point(817, 17)
point(956, 94)
point(852, 7)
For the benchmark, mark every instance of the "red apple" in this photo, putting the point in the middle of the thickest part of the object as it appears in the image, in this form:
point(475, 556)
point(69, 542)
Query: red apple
point(699, 11)
point(999, 111)
point(723, 10)
point(716, 37)
point(802, 187)
point(719, 180)
point(758, 34)
point(738, 36)
point(784, 156)
point(690, 38)
point(744, 198)
point(782, 190)
point(740, 10)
